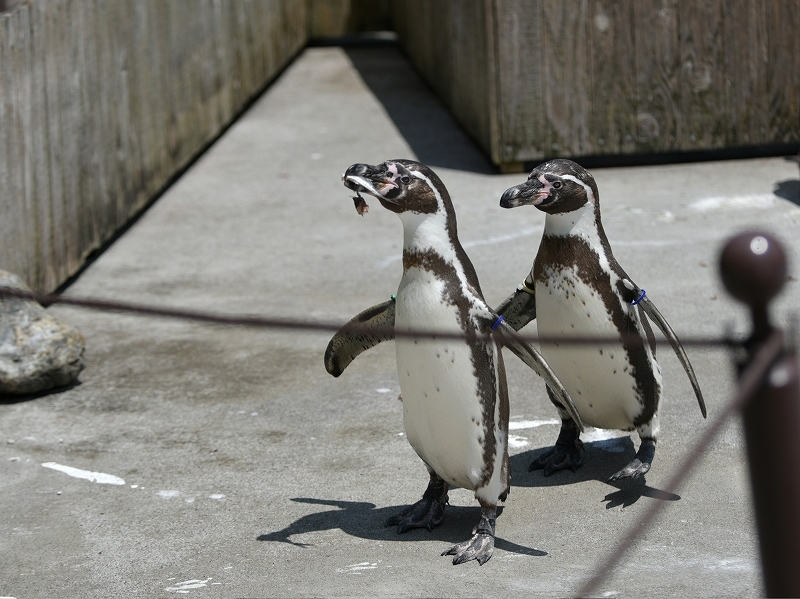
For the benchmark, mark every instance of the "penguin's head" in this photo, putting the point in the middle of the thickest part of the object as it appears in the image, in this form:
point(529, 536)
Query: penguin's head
point(400, 186)
point(555, 187)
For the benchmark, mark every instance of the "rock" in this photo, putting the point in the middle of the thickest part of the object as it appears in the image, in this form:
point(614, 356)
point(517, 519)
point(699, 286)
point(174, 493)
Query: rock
point(37, 352)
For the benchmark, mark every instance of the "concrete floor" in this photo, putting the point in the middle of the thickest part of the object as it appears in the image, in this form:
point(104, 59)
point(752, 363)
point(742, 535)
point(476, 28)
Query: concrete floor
point(250, 472)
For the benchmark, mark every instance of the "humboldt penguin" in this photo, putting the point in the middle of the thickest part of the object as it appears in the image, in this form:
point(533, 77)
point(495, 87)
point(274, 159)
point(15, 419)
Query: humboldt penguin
point(452, 381)
point(576, 287)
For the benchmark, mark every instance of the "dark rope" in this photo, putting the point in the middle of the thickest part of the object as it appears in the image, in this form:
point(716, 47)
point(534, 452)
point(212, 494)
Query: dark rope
point(263, 322)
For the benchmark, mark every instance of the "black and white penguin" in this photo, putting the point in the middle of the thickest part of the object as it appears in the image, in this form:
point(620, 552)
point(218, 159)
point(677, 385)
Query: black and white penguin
point(455, 400)
point(576, 287)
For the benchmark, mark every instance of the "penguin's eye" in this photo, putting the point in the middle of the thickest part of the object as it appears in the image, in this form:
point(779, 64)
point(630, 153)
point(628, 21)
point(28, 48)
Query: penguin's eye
point(557, 185)
point(405, 179)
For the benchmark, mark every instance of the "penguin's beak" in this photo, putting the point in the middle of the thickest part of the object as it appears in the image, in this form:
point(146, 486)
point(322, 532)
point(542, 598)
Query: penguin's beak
point(368, 179)
point(534, 191)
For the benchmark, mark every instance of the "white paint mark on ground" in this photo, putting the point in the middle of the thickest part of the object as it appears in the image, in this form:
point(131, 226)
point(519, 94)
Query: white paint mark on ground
point(95, 477)
point(217, 496)
point(522, 424)
point(358, 568)
point(735, 202)
point(515, 441)
point(188, 585)
point(171, 494)
point(383, 390)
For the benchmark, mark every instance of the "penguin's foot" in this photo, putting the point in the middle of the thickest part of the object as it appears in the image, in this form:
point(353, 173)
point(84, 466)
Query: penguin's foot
point(559, 457)
point(480, 547)
point(426, 513)
point(640, 464)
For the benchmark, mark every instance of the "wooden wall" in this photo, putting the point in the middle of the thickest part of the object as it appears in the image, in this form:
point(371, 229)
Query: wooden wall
point(335, 18)
point(102, 102)
point(532, 79)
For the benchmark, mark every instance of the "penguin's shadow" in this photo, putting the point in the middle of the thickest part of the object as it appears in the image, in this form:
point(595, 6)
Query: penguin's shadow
point(424, 122)
point(788, 190)
point(601, 459)
point(365, 520)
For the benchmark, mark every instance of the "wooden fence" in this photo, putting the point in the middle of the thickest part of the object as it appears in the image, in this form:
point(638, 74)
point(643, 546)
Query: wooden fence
point(102, 102)
point(532, 79)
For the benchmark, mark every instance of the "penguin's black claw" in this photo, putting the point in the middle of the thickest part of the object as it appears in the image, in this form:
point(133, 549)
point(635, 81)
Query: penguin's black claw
point(559, 457)
point(480, 547)
point(633, 470)
point(640, 464)
point(426, 513)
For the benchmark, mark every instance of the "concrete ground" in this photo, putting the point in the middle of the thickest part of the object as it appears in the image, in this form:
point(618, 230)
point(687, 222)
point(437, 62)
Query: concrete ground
point(250, 472)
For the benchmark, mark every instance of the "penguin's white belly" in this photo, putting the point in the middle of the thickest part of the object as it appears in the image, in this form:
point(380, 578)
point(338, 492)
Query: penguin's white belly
point(442, 411)
point(598, 378)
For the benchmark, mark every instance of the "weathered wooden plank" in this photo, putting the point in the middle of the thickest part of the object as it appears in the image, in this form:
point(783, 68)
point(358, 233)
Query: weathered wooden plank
point(520, 81)
point(613, 76)
point(657, 75)
point(470, 86)
point(783, 70)
point(703, 95)
point(70, 114)
point(746, 58)
point(566, 77)
point(101, 102)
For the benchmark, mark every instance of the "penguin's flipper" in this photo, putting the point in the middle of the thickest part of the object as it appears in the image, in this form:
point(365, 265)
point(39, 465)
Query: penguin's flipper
point(519, 308)
point(527, 353)
point(365, 330)
point(652, 312)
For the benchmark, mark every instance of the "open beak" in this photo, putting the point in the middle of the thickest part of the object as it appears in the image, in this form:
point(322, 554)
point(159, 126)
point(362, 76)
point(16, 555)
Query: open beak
point(367, 179)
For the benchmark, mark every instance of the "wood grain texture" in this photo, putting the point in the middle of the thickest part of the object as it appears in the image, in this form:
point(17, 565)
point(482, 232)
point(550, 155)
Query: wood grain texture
point(101, 103)
point(567, 77)
point(703, 95)
point(658, 84)
point(594, 77)
point(519, 73)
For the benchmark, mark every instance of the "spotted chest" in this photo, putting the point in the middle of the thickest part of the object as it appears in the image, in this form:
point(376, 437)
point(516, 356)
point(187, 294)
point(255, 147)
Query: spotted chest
point(613, 386)
point(444, 409)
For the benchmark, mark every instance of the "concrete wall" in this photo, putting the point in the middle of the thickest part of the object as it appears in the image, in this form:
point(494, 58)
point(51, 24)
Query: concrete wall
point(102, 102)
point(532, 79)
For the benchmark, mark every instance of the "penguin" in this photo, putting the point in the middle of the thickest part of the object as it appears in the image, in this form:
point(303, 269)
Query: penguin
point(453, 386)
point(577, 287)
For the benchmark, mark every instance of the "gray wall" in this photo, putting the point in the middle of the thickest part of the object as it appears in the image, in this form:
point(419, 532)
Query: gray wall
point(531, 79)
point(102, 102)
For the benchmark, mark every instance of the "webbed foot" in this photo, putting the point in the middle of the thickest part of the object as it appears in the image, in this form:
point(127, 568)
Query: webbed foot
point(559, 457)
point(640, 464)
point(426, 513)
point(481, 546)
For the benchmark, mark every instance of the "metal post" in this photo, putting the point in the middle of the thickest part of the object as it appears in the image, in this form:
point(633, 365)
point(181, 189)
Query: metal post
point(753, 267)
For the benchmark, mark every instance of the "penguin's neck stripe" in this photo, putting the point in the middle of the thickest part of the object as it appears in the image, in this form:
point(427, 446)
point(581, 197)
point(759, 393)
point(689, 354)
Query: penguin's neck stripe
point(589, 192)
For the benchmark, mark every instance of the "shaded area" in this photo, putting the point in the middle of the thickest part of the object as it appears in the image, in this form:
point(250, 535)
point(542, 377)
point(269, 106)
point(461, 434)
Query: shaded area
point(10, 398)
point(788, 190)
point(428, 127)
point(364, 520)
point(601, 459)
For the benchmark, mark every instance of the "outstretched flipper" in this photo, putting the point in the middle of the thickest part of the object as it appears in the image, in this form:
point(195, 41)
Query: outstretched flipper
point(652, 312)
point(509, 338)
point(519, 308)
point(365, 330)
